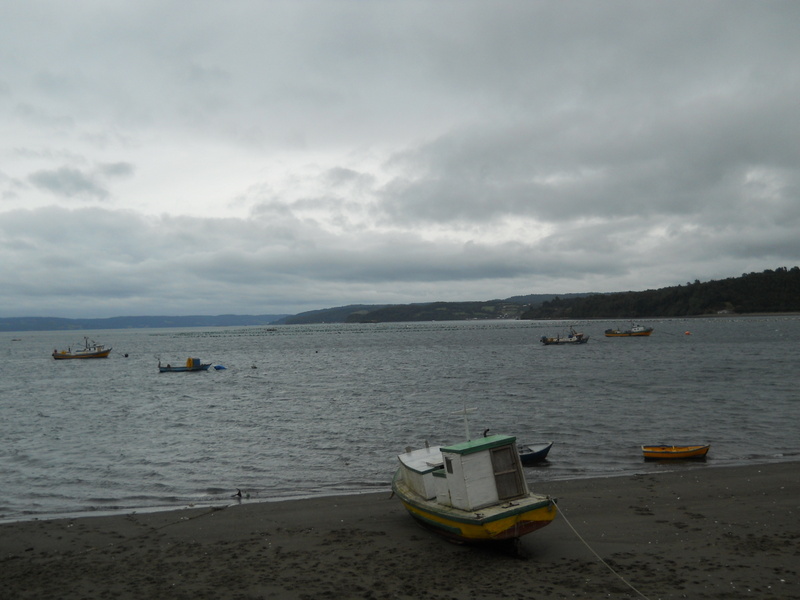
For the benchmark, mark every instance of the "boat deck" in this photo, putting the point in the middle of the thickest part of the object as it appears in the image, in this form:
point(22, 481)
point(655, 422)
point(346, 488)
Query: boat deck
point(423, 460)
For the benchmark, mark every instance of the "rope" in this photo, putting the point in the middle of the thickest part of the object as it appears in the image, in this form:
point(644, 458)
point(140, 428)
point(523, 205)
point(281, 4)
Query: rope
point(585, 543)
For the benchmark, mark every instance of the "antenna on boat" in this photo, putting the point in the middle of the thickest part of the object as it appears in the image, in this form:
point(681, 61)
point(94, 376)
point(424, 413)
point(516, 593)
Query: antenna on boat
point(465, 411)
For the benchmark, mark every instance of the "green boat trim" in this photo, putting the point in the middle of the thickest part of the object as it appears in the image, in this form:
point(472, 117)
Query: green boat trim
point(485, 443)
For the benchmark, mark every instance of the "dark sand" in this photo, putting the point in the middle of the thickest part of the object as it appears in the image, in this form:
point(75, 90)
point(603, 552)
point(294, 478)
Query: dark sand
point(696, 532)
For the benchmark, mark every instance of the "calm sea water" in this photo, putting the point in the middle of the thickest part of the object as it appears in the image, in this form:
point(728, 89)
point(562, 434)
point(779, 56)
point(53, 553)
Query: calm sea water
point(325, 409)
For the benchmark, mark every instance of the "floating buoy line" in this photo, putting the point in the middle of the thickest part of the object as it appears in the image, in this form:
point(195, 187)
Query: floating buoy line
point(600, 558)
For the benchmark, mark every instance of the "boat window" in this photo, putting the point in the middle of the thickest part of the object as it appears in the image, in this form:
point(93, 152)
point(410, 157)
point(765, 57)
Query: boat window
point(448, 465)
point(507, 474)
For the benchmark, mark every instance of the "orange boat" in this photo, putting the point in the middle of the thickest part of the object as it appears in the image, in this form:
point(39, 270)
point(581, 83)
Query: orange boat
point(672, 452)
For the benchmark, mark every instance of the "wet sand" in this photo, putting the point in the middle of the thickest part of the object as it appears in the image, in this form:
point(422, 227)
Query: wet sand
point(698, 532)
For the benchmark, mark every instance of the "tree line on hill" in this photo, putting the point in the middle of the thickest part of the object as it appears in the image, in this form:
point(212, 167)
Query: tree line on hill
point(509, 308)
point(771, 291)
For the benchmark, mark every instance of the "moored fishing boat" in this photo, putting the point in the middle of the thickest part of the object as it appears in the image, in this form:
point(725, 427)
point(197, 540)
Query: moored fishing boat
point(192, 364)
point(665, 452)
point(90, 350)
point(474, 491)
point(534, 453)
point(634, 331)
point(573, 337)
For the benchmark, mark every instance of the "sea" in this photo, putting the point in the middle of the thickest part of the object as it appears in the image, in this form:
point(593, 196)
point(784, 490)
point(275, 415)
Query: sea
point(318, 410)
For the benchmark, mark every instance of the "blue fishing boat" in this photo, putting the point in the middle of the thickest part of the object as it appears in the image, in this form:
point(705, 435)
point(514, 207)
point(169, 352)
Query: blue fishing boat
point(533, 453)
point(572, 338)
point(192, 364)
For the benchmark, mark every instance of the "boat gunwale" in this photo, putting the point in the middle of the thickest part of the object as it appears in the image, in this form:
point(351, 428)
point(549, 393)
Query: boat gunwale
point(477, 517)
point(666, 451)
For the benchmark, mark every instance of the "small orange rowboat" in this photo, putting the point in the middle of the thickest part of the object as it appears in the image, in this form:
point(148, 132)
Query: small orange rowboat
point(672, 452)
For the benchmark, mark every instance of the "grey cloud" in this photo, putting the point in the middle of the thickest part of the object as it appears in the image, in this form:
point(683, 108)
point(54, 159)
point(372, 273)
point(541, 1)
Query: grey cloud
point(341, 176)
point(192, 265)
point(119, 169)
point(330, 153)
point(42, 117)
point(68, 182)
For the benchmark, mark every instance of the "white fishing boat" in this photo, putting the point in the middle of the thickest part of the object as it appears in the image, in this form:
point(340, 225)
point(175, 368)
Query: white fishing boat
point(91, 349)
point(572, 338)
point(474, 491)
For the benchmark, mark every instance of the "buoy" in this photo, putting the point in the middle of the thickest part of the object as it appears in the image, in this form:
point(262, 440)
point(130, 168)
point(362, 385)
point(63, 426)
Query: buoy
point(687, 333)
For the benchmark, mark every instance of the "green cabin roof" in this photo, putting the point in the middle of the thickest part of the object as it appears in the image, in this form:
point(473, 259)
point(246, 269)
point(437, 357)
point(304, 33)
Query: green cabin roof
point(480, 444)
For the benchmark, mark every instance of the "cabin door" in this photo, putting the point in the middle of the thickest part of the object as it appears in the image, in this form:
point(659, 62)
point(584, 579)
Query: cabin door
point(507, 476)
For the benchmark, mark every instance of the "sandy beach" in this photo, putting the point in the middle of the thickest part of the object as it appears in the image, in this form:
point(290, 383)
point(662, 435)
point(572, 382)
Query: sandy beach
point(698, 532)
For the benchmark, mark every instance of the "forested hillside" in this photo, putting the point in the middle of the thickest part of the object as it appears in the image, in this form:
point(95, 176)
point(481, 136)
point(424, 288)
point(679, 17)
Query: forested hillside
point(440, 311)
point(767, 292)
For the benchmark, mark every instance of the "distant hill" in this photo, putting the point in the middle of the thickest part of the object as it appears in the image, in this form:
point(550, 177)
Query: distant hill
point(440, 311)
point(771, 291)
point(775, 291)
point(338, 314)
point(58, 324)
point(510, 308)
point(537, 299)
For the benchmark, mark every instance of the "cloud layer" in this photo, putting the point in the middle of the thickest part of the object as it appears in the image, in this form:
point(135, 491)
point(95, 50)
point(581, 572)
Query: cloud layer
point(204, 157)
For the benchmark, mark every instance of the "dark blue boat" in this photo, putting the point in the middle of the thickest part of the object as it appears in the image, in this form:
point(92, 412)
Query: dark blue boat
point(534, 453)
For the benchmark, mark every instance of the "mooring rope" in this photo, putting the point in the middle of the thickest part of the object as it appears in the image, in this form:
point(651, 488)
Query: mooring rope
point(600, 558)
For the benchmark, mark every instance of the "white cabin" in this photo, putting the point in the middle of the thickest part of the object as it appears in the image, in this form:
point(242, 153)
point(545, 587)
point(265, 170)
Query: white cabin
point(468, 476)
point(418, 467)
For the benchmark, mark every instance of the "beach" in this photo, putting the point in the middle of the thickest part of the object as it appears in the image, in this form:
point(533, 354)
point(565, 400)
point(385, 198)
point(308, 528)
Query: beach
point(689, 532)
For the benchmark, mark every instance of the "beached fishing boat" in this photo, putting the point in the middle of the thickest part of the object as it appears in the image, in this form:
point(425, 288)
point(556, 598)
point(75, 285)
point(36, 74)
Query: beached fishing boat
point(634, 331)
point(573, 337)
point(91, 349)
point(533, 453)
point(665, 452)
point(192, 364)
point(474, 491)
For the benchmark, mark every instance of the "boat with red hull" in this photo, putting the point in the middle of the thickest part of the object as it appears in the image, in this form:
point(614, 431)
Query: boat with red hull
point(634, 331)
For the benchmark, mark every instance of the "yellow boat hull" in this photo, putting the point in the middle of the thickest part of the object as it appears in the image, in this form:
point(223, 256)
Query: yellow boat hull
point(674, 452)
point(506, 521)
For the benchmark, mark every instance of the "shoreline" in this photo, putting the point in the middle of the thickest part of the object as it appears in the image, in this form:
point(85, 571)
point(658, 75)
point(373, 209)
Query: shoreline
point(696, 533)
point(225, 501)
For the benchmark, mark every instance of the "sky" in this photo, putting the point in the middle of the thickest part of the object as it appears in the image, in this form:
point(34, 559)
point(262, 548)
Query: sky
point(197, 157)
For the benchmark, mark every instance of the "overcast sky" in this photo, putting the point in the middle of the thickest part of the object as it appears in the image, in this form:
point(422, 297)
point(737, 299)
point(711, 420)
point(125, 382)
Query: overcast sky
point(164, 157)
